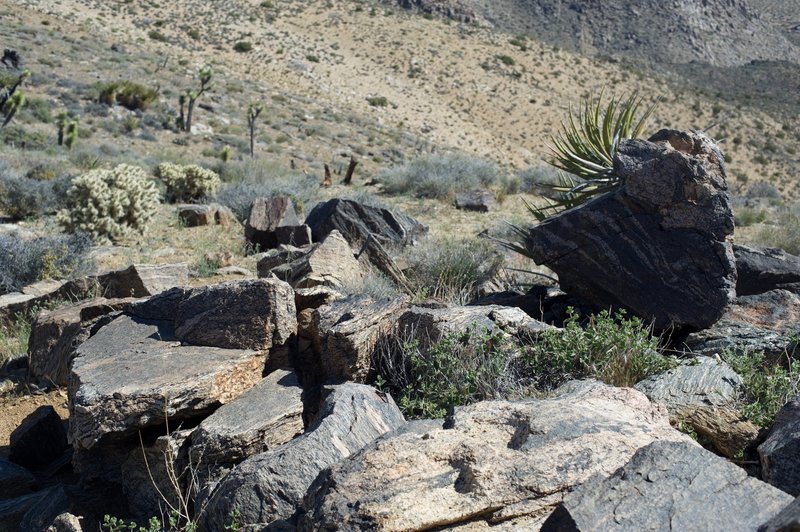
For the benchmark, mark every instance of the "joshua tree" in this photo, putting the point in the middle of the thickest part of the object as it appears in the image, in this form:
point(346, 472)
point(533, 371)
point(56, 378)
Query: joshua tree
point(71, 134)
point(191, 96)
point(61, 123)
point(252, 114)
point(12, 98)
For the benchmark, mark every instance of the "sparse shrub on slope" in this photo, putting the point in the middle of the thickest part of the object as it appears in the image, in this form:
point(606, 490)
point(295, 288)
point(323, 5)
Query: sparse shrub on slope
point(439, 176)
point(128, 94)
point(189, 182)
point(22, 197)
point(24, 261)
point(110, 204)
point(784, 233)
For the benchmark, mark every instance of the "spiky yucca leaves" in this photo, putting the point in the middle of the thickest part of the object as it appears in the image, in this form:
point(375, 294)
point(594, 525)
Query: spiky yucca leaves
point(586, 146)
point(110, 204)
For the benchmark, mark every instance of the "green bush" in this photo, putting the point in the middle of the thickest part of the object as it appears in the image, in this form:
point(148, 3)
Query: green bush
point(188, 182)
point(243, 46)
point(110, 204)
point(378, 101)
point(613, 349)
point(451, 270)
point(747, 216)
point(128, 94)
point(439, 176)
point(768, 385)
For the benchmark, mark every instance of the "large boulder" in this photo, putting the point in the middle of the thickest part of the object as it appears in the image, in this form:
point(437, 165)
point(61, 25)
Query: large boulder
point(788, 520)
point(194, 215)
point(358, 222)
point(269, 487)
point(703, 393)
point(15, 480)
point(492, 462)
point(40, 439)
point(134, 374)
point(780, 453)
point(660, 245)
point(249, 314)
point(56, 334)
point(329, 263)
point(762, 270)
point(267, 216)
point(767, 322)
point(670, 486)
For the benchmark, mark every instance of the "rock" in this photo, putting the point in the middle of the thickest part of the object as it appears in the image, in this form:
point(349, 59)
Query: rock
point(357, 222)
point(786, 521)
point(56, 334)
point(234, 270)
point(193, 215)
point(266, 216)
point(269, 487)
point(344, 337)
point(262, 418)
point(143, 280)
point(12, 511)
point(660, 245)
point(492, 462)
point(762, 270)
point(328, 263)
point(67, 522)
point(312, 298)
point(294, 235)
point(476, 200)
point(42, 514)
point(780, 453)
point(15, 480)
point(39, 440)
point(248, 314)
point(134, 374)
point(765, 322)
point(703, 392)
point(670, 485)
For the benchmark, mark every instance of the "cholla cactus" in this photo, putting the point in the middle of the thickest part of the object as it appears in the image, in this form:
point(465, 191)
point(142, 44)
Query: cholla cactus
point(110, 204)
point(190, 182)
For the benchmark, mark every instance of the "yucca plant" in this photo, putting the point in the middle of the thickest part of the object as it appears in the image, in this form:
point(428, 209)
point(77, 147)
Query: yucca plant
point(586, 146)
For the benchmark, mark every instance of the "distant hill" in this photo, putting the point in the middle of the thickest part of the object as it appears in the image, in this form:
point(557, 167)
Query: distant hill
point(721, 33)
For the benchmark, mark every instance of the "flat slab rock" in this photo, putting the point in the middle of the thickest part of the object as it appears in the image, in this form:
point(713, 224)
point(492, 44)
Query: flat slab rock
point(660, 245)
point(264, 417)
point(133, 373)
point(761, 270)
point(269, 487)
point(247, 314)
point(670, 486)
point(493, 462)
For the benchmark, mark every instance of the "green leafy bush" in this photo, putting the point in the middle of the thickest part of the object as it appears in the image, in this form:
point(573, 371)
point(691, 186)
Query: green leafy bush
point(128, 94)
point(188, 182)
point(439, 176)
point(110, 204)
point(613, 349)
point(24, 261)
point(768, 384)
point(243, 46)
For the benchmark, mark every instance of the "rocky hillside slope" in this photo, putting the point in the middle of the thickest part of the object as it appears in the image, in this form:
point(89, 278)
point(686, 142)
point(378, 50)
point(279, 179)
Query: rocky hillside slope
point(717, 32)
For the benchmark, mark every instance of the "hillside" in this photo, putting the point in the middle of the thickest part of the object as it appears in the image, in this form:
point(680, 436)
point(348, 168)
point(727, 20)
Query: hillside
point(346, 77)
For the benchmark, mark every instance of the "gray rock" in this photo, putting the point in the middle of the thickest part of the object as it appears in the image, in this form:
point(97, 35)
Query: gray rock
point(67, 522)
point(476, 200)
point(294, 235)
point(266, 216)
point(788, 520)
point(312, 298)
point(493, 461)
point(780, 453)
point(358, 222)
point(329, 263)
point(703, 393)
point(765, 322)
point(248, 314)
point(269, 487)
point(15, 480)
point(670, 486)
point(193, 215)
point(134, 374)
point(762, 270)
point(140, 280)
point(660, 245)
point(12, 511)
point(56, 334)
point(262, 418)
point(42, 514)
point(344, 337)
point(39, 440)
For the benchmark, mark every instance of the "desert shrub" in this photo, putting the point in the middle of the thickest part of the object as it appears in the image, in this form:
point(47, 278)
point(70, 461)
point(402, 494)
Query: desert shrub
point(243, 46)
point(18, 137)
point(747, 216)
point(40, 109)
point(14, 338)
point(762, 189)
point(768, 385)
point(460, 369)
point(784, 233)
point(612, 348)
point(451, 270)
point(22, 197)
point(110, 204)
point(128, 94)
point(188, 182)
point(376, 101)
point(24, 261)
point(539, 179)
point(373, 284)
point(439, 176)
